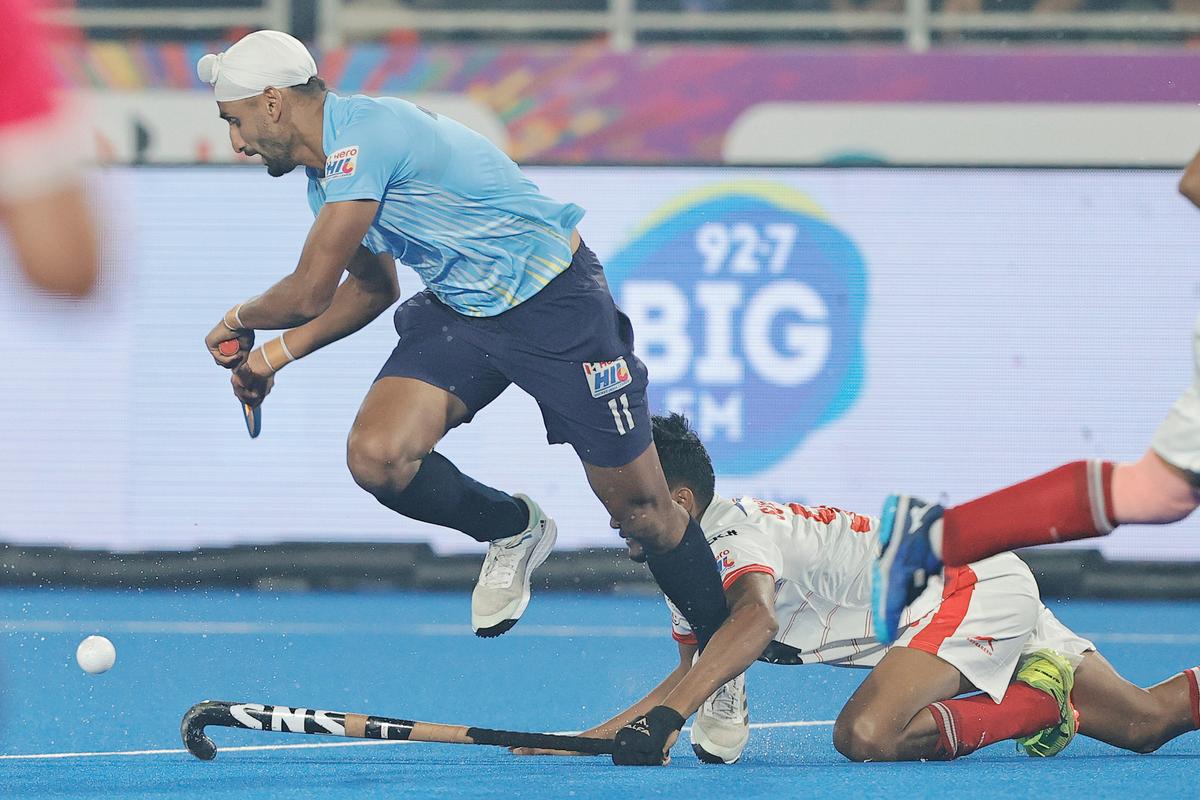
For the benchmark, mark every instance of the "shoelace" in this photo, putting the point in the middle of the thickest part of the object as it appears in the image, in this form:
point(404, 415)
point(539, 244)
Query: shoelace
point(500, 567)
point(726, 703)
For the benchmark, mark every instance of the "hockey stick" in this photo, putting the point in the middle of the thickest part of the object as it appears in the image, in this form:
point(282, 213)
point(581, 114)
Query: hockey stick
point(259, 717)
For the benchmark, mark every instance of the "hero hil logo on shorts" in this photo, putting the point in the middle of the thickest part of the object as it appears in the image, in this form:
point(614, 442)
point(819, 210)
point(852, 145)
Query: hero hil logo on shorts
point(748, 304)
point(606, 377)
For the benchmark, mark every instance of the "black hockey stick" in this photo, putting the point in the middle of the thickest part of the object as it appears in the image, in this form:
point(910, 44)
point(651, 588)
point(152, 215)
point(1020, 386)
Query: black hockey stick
point(260, 717)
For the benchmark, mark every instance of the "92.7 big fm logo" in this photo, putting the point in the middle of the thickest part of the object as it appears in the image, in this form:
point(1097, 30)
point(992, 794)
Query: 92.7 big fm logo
point(747, 305)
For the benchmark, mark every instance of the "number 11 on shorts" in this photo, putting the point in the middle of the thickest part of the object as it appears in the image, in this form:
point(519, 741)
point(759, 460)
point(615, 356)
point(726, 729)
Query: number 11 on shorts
point(619, 406)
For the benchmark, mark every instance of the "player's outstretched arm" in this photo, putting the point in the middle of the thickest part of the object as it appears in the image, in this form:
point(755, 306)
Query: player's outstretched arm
point(608, 728)
point(741, 639)
point(736, 645)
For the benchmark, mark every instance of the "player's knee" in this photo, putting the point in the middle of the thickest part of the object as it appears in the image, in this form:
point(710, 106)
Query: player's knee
point(380, 463)
point(862, 737)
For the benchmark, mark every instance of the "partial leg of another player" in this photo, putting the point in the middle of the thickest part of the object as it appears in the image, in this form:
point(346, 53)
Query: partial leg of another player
point(907, 710)
point(1115, 711)
point(1079, 500)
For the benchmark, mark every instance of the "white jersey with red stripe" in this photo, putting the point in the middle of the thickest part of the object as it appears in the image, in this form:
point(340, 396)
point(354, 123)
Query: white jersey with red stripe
point(981, 618)
point(820, 558)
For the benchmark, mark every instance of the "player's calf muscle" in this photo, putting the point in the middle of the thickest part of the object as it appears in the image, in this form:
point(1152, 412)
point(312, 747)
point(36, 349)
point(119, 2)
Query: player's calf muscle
point(1142, 732)
point(1154, 717)
point(1147, 739)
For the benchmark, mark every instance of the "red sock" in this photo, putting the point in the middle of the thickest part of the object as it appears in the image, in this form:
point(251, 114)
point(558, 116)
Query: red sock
point(1193, 679)
point(967, 724)
point(1073, 501)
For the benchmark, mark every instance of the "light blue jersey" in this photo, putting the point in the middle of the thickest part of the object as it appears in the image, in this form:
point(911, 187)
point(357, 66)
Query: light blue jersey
point(453, 207)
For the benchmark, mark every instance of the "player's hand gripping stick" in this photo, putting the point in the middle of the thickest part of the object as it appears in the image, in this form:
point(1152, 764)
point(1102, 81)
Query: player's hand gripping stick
point(252, 414)
point(645, 741)
point(259, 717)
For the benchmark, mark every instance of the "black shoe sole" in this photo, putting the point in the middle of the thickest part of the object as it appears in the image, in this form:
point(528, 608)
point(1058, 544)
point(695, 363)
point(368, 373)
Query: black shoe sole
point(499, 629)
point(707, 757)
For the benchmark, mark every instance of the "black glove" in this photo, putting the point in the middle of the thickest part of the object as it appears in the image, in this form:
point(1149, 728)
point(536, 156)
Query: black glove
point(643, 742)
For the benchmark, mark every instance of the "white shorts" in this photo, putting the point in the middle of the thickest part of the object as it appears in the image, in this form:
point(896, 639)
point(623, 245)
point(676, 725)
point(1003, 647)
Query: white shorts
point(983, 618)
point(1178, 438)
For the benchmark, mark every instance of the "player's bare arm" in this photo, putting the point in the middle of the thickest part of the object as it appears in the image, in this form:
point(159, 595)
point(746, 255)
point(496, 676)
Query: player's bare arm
point(54, 236)
point(734, 647)
point(656, 696)
point(308, 292)
point(370, 289)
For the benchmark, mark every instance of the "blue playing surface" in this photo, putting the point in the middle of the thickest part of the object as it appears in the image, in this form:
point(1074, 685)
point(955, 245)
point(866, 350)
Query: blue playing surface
point(572, 662)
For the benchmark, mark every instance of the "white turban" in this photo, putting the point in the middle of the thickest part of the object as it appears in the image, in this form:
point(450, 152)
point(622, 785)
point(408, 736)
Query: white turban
point(256, 61)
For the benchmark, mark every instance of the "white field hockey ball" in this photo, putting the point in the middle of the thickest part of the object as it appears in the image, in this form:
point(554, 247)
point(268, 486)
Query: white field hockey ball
point(96, 654)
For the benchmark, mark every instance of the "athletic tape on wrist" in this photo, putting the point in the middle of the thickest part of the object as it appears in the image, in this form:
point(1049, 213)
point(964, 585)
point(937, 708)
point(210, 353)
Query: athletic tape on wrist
point(282, 355)
point(286, 350)
point(237, 318)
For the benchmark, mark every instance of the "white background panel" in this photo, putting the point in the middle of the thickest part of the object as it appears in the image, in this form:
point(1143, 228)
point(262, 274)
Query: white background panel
point(1014, 320)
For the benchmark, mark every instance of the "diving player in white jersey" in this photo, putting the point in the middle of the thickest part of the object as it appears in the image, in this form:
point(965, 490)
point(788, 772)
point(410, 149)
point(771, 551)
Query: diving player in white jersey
point(513, 296)
point(797, 579)
point(1079, 500)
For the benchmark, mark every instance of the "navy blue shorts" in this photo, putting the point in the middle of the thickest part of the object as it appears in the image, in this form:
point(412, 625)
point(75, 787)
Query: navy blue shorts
point(568, 346)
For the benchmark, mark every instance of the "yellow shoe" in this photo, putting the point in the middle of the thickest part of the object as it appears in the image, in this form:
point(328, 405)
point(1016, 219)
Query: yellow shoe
point(1049, 672)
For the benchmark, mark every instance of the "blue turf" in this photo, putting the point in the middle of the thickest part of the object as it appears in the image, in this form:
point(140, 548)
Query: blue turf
point(369, 653)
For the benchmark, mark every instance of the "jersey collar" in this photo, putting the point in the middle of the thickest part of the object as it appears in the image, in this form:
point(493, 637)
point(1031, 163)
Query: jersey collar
point(717, 509)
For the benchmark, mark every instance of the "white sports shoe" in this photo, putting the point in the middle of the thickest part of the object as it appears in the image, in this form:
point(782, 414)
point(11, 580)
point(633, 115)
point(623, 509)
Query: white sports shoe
point(722, 725)
point(502, 592)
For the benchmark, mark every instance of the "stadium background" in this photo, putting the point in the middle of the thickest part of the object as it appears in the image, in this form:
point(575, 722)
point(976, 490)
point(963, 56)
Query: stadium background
point(918, 247)
point(869, 245)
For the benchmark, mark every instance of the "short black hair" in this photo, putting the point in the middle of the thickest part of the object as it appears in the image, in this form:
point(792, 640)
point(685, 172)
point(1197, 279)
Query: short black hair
point(685, 462)
point(313, 86)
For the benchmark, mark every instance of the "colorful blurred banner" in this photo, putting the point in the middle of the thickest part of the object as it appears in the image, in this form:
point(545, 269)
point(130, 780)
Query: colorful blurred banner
point(588, 104)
